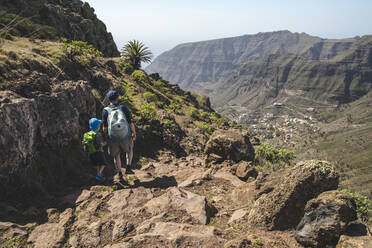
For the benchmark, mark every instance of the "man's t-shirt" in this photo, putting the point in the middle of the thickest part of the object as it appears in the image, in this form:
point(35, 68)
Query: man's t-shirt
point(125, 111)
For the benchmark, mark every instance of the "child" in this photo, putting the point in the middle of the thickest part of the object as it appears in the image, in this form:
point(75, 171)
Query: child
point(93, 144)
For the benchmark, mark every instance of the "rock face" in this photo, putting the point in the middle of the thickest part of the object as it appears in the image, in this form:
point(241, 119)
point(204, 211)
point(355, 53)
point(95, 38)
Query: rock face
point(72, 19)
point(325, 219)
point(37, 131)
point(230, 144)
point(283, 206)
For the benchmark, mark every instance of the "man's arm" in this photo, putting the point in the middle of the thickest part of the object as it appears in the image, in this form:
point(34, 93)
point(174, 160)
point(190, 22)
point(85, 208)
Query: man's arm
point(133, 131)
point(104, 120)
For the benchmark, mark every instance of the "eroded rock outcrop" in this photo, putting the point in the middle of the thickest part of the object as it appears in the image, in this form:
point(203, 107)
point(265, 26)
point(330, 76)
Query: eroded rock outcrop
point(283, 206)
point(325, 219)
point(231, 144)
point(36, 132)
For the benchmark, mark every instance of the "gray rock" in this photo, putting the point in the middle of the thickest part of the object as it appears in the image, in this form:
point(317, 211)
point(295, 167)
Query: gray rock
point(283, 206)
point(354, 242)
point(193, 204)
point(325, 219)
point(231, 144)
point(246, 170)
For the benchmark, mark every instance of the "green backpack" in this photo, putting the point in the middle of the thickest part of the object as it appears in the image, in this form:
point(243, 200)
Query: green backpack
point(89, 141)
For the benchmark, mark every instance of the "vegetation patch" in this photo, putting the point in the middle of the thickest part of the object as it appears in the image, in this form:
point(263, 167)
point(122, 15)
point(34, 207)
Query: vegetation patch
point(150, 97)
point(148, 112)
point(269, 158)
point(364, 205)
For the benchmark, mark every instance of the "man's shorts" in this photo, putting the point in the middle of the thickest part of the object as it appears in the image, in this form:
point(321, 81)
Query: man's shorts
point(98, 158)
point(114, 148)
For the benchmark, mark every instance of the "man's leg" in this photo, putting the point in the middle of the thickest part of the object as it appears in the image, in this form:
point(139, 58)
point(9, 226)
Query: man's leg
point(117, 162)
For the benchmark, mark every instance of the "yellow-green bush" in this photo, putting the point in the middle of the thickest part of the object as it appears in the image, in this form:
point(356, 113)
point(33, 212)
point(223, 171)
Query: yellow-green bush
point(364, 205)
point(148, 112)
point(126, 67)
point(150, 97)
point(139, 76)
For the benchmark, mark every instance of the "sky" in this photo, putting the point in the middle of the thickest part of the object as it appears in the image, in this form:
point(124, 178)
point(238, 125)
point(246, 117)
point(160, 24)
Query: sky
point(163, 24)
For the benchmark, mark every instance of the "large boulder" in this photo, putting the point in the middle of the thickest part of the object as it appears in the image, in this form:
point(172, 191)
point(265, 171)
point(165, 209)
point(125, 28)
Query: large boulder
point(325, 219)
point(282, 207)
point(232, 144)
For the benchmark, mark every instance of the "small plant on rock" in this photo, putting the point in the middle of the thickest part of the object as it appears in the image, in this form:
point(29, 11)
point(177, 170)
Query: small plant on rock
point(363, 204)
point(194, 113)
point(148, 112)
point(206, 129)
point(139, 76)
point(126, 67)
point(150, 97)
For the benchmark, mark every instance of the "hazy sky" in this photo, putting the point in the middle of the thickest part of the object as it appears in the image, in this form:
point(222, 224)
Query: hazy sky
point(163, 24)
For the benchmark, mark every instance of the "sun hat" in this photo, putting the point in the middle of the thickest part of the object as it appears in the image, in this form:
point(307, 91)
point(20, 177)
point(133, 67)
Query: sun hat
point(94, 124)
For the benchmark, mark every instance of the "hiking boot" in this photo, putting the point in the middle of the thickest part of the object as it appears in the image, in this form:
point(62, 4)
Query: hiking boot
point(128, 170)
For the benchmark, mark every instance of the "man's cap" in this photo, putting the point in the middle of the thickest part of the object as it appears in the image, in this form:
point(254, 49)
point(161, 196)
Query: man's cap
point(112, 95)
point(94, 124)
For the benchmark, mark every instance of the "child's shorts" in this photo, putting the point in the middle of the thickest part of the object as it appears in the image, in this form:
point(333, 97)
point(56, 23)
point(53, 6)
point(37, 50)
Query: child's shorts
point(98, 158)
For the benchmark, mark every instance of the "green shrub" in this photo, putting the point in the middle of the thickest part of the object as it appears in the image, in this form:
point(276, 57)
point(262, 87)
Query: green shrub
point(96, 94)
point(73, 49)
point(223, 121)
point(363, 204)
point(147, 111)
point(150, 97)
point(205, 116)
point(158, 84)
point(274, 155)
point(206, 129)
point(194, 113)
point(174, 107)
point(139, 76)
point(126, 67)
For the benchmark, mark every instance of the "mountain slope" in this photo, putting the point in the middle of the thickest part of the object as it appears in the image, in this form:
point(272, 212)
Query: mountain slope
point(296, 79)
point(194, 65)
point(53, 19)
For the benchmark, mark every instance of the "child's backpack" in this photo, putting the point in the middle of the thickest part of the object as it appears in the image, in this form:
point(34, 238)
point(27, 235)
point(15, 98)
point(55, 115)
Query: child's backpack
point(118, 127)
point(89, 140)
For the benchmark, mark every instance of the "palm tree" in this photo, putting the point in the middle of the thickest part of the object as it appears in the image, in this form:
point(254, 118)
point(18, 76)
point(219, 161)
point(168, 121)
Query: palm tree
point(135, 52)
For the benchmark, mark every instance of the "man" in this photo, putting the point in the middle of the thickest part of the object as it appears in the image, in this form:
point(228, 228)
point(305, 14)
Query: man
point(121, 144)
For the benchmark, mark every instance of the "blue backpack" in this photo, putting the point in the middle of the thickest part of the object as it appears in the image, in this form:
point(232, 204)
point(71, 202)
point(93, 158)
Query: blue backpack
point(118, 127)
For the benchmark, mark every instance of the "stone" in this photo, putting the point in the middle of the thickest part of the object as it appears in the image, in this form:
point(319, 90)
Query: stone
point(10, 230)
point(176, 231)
point(230, 144)
point(246, 170)
point(193, 204)
point(229, 177)
point(354, 242)
point(325, 219)
point(237, 215)
point(47, 235)
point(283, 207)
point(238, 243)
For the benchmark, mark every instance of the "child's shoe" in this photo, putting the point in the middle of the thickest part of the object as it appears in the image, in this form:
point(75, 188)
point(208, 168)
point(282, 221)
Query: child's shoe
point(99, 176)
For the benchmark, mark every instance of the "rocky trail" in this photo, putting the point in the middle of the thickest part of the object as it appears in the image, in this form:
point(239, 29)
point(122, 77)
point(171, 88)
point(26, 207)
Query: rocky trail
point(179, 202)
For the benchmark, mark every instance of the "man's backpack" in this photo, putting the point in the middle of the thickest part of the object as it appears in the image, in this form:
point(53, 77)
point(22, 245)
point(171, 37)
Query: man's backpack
point(89, 140)
point(118, 127)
